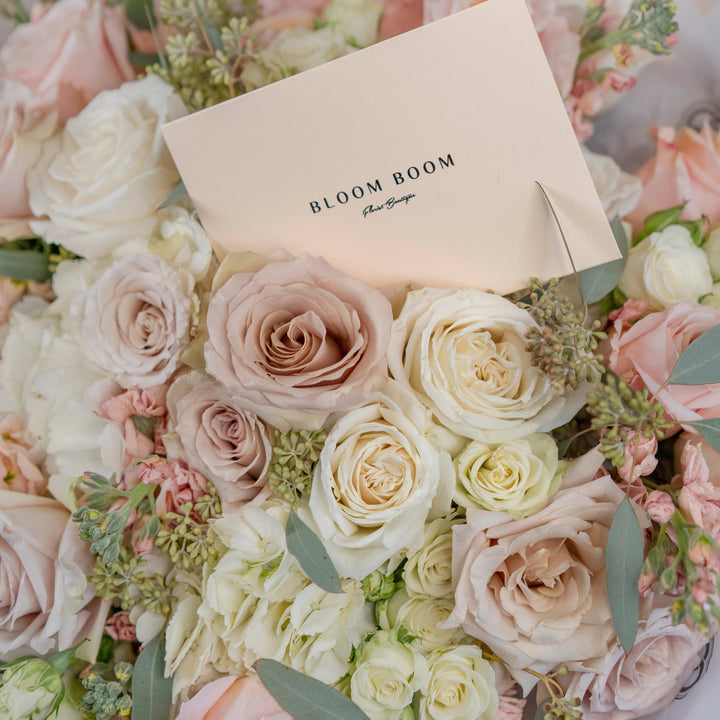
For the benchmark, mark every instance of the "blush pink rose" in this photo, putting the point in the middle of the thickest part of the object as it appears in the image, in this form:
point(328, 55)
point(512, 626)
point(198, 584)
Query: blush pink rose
point(232, 698)
point(228, 443)
point(298, 340)
point(643, 681)
point(46, 603)
point(645, 355)
point(24, 125)
point(17, 470)
point(75, 50)
point(533, 590)
point(686, 168)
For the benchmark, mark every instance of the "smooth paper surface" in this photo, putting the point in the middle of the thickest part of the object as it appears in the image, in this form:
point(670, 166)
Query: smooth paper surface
point(414, 159)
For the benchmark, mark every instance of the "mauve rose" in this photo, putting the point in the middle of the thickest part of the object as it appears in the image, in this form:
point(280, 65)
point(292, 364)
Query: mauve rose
point(134, 319)
point(17, 470)
point(645, 355)
point(24, 125)
point(534, 589)
point(46, 602)
point(232, 698)
point(71, 53)
point(685, 169)
point(643, 681)
point(222, 439)
point(298, 340)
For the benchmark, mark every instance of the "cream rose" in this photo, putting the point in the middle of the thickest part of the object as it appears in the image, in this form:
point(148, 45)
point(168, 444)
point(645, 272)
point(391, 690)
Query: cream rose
point(517, 476)
point(377, 479)
point(428, 571)
point(666, 268)
point(534, 590)
point(461, 685)
point(645, 680)
point(357, 20)
point(46, 602)
point(134, 319)
point(101, 179)
point(619, 192)
point(296, 49)
point(463, 354)
point(227, 443)
point(711, 248)
point(298, 340)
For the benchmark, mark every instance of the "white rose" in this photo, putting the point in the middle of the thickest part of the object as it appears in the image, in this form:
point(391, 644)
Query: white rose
point(388, 672)
point(517, 476)
point(461, 685)
point(666, 268)
point(428, 571)
point(101, 179)
point(357, 20)
point(296, 49)
point(711, 248)
point(619, 192)
point(463, 354)
point(134, 319)
point(377, 479)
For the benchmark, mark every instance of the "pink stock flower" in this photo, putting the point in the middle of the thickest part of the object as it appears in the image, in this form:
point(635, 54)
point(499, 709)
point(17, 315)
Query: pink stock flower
point(17, 470)
point(154, 470)
point(69, 54)
point(699, 499)
point(646, 353)
point(184, 485)
point(148, 402)
point(509, 708)
point(686, 168)
point(120, 627)
point(640, 458)
point(615, 80)
point(659, 506)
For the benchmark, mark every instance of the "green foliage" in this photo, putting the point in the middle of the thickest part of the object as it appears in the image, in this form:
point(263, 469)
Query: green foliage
point(304, 697)
point(624, 561)
point(658, 221)
point(699, 363)
point(710, 430)
point(152, 691)
point(295, 455)
point(307, 548)
point(14, 11)
point(31, 259)
point(562, 347)
point(597, 282)
point(378, 586)
point(107, 691)
point(178, 193)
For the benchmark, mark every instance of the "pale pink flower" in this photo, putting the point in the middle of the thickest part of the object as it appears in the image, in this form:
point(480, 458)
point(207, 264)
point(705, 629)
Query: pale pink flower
point(184, 485)
point(699, 499)
point(615, 80)
point(120, 627)
point(631, 311)
point(646, 582)
point(69, 54)
point(149, 402)
point(640, 458)
point(686, 168)
point(154, 470)
point(232, 698)
point(659, 506)
point(701, 553)
point(562, 49)
point(509, 708)
point(17, 470)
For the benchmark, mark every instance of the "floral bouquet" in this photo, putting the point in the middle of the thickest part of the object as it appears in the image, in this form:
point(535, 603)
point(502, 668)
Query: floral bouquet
point(261, 488)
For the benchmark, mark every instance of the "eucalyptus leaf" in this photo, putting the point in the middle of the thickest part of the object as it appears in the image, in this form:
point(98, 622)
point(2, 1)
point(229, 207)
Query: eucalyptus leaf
point(151, 690)
point(540, 712)
point(306, 546)
point(143, 59)
point(178, 193)
point(597, 282)
point(213, 35)
point(624, 560)
point(140, 13)
point(24, 265)
point(709, 429)
point(700, 362)
point(304, 697)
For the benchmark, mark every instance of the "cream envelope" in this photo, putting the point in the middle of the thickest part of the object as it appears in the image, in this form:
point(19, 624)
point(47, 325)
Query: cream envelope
point(414, 159)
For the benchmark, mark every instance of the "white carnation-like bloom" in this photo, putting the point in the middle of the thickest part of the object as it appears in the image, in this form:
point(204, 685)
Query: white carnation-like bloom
point(102, 178)
point(377, 480)
point(462, 352)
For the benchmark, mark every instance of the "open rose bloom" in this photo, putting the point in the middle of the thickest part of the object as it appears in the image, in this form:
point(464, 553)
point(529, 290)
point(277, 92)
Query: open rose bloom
point(281, 492)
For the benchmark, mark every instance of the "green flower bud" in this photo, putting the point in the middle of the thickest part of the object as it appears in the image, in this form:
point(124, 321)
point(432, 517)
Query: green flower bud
point(30, 689)
point(377, 586)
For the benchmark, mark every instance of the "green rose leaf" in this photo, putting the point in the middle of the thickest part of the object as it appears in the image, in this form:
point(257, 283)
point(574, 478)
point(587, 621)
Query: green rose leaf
point(624, 560)
point(24, 265)
point(178, 193)
point(140, 13)
point(306, 546)
point(304, 697)
point(660, 220)
point(709, 429)
point(700, 363)
point(152, 691)
point(597, 282)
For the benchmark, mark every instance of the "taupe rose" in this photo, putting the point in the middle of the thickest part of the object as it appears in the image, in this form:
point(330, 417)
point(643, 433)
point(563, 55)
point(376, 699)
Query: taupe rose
point(298, 340)
point(226, 442)
point(134, 319)
point(534, 589)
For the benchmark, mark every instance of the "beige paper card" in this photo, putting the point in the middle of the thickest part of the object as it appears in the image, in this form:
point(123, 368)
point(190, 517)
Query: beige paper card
point(414, 159)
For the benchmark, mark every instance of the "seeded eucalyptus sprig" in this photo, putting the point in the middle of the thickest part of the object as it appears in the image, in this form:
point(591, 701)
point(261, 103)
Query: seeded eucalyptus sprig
point(294, 457)
point(562, 347)
point(617, 410)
